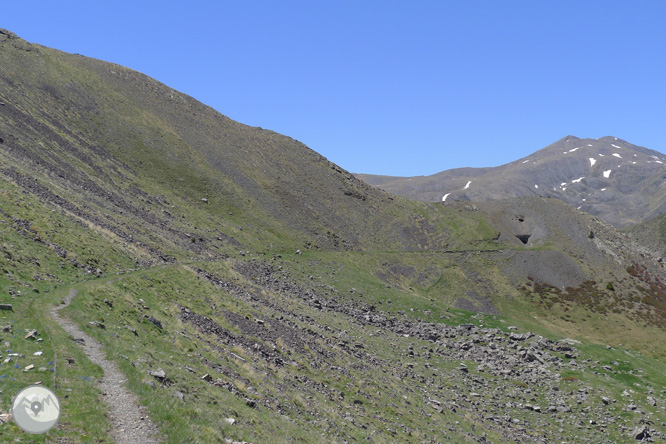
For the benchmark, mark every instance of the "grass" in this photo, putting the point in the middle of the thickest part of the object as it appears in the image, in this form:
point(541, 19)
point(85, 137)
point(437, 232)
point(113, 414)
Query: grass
point(107, 173)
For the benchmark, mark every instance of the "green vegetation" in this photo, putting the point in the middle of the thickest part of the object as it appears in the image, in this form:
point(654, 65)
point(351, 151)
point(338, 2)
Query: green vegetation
point(293, 298)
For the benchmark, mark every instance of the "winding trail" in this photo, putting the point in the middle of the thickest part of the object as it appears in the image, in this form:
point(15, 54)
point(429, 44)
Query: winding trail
point(130, 423)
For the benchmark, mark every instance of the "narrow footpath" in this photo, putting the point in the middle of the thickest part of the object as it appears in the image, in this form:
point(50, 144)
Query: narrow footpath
point(130, 422)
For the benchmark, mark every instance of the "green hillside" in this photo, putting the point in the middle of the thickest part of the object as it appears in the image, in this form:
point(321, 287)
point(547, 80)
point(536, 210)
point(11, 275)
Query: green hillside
point(274, 288)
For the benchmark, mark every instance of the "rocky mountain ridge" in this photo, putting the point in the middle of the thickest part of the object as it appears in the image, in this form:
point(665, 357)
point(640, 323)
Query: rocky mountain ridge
point(606, 177)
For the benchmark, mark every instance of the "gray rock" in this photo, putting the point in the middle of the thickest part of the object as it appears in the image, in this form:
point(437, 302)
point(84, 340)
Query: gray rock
point(159, 373)
point(641, 432)
point(151, 319)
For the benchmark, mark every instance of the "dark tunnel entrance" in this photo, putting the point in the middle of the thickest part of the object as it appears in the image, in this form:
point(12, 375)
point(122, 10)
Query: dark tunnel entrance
point(524, 238)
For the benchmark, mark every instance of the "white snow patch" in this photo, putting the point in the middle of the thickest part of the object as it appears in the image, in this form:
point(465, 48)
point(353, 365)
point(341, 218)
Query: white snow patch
point(445, 196)
point(657, 161)
point(577, 180)
point(617, 155)
point(592, 161)
point(536, 186)
point(607, 173)
point(467, 186)
point(615, 146)
point(564, 189)
point(571, 151)
point(601, 155)
point(590, 145)
point(603, 189)
point(583, 200)
point(562, 184)
point(525, 161)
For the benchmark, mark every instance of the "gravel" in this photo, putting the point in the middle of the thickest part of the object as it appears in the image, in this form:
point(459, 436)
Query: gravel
point(130, 423)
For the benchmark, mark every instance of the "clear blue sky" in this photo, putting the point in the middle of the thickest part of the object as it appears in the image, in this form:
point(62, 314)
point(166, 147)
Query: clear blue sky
point(390, 87)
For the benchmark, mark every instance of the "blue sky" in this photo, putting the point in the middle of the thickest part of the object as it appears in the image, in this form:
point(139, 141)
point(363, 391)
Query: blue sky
point(390, 87)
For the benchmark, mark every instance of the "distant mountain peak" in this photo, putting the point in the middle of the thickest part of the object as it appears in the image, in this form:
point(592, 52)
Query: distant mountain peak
point(607, 177)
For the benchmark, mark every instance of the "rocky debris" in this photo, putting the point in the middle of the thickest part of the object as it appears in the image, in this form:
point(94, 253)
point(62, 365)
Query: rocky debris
point(7, 307)
point(32, 334)
point(641, 432)
point(207, 378)
point(154, 321)
point(496, 376)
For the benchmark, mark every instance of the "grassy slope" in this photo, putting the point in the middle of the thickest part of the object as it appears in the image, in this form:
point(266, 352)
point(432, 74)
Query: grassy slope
point(112, 167)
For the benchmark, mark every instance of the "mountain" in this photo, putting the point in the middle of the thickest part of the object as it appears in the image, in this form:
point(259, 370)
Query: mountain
point(621, 183)
point(250, 290)
point(651, 233)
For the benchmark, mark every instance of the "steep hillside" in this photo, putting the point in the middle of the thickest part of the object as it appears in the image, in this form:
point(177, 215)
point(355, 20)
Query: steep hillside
point(651, 233)
point(250, 290)
point(134, 150)
point(621, 183)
